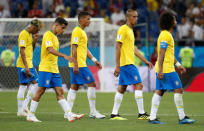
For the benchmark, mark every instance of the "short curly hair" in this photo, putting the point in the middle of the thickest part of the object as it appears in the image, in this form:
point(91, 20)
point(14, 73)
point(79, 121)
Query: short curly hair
point(166, 20)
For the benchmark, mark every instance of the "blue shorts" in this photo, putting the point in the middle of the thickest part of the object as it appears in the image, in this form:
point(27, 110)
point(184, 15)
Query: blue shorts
point(129, 75)
point(23, 79)
point(49, 80)
point(83, 77)
point(170, 81)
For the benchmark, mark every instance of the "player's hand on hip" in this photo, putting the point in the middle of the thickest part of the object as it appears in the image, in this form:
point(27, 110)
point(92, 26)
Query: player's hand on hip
point(117, 71)
point(182, 69)
point(27, 71)
point(98, 64)
point(160, 75)
point(76, 69)
point(149, 64)
point(69, 58)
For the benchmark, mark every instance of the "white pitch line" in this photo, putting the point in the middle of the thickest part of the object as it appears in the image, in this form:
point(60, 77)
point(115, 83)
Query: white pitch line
point(201, 115)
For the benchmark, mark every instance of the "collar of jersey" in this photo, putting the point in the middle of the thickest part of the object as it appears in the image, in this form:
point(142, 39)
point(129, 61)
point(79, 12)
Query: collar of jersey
point(52, 32)
point(128, 26)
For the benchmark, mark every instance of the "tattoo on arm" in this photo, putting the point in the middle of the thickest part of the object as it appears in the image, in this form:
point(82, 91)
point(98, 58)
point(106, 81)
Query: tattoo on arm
point(161, 58)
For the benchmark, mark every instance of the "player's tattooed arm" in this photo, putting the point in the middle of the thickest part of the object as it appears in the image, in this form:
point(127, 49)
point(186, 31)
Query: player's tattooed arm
point(139, 55)
point(161, 60)
point(74, 55)
point(117, 58)
point(22, 52)
point(55, 52)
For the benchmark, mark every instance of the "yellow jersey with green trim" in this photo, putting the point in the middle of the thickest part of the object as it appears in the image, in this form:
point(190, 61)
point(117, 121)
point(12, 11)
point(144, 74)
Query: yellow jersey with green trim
point(125, 35)
point(80, 39)
point(168, 64)
point(25, 40)
point(48, 61)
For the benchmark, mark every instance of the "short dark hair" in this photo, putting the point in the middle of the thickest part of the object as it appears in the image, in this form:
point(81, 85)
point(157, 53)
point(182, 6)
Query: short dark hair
point(83, 14)
point(166, 20)
point(61, 21)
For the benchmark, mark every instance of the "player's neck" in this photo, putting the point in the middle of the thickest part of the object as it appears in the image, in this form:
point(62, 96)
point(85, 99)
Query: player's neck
point(53, 31)
point(28, 30)
point(171, 30)
point(82, 26)
point(128, 24)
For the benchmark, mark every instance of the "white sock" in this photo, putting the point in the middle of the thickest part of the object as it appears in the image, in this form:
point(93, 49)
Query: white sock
point(31, 92)
point(20, 97)
point(63, 105)
point(71, 98)
point(33, 106)
point(117, 101)
point(91, 94)
point(179, 105)
point(155, 105)
point(139, 100)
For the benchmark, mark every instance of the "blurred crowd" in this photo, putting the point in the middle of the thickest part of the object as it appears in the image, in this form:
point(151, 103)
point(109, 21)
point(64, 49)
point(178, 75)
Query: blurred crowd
point(189, 13)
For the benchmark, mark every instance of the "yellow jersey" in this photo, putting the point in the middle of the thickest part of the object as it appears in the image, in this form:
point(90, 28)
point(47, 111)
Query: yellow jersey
point(125, 35)
point(25, 39)
point(80, 39)
point(165, 37)
point(48, 61)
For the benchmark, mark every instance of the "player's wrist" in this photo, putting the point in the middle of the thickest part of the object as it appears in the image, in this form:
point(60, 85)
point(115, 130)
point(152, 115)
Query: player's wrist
point(178, 64)
point(94, 59)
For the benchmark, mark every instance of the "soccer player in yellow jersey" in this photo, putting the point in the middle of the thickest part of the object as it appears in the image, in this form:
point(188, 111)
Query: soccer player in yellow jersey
point(26, 72)
point(129, 75)
point(49, 76)
point(167, 78)
point(80, 73)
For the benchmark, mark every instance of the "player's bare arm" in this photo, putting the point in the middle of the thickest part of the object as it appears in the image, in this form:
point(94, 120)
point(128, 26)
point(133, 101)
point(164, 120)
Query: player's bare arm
point(139, 55)
point(161, 60)
point(54, 52)
point(74, 55)
point(22, 52)
point(179, 66)
point(91, 57)
point(117, 57)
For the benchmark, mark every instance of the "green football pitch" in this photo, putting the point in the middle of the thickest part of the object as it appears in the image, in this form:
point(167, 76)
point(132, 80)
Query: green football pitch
point(51, 115)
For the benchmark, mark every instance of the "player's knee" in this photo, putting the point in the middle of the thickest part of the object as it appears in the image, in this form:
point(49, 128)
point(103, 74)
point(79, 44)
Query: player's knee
point(60, 92)
point(180, 90)
point(93, 84)
point(74, 87)
point(159, 92)
point(122, 89)
point(138, 86)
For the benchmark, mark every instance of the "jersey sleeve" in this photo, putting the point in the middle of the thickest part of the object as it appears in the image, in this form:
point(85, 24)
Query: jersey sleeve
point(120, 35)
point(23, 40)
point(75, 37)
point(48, 40)
point(165, 41)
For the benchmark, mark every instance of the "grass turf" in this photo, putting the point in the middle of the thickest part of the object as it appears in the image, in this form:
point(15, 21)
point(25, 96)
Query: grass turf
point(51, 115)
